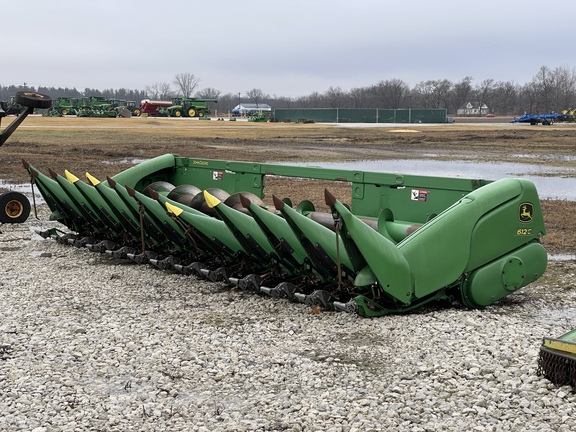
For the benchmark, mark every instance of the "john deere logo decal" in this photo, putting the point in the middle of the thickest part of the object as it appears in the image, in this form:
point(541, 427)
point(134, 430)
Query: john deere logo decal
point(525, 212)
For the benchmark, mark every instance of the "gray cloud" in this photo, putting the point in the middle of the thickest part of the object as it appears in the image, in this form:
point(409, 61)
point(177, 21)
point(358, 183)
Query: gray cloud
point(284, 48)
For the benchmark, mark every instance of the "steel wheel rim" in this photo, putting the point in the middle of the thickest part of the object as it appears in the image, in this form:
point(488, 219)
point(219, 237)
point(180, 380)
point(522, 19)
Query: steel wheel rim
point(13, 209)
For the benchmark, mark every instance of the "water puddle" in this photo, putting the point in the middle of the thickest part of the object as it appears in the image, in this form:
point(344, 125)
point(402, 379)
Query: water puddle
point(562, 257)
point(24, 188)
point(546, 157)
point(552, 182)
point(129, 161)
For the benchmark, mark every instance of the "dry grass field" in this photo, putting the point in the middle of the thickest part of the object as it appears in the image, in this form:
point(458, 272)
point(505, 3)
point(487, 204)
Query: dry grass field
point(108, 146)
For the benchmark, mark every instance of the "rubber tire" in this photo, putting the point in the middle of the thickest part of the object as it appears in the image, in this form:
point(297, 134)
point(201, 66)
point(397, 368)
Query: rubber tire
point(33, 99)
point(14, 207)
point(191, 112)
point(177, 113)
point(200, 113)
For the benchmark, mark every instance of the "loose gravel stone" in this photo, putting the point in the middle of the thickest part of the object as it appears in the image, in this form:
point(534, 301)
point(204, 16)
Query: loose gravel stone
point(90, 343)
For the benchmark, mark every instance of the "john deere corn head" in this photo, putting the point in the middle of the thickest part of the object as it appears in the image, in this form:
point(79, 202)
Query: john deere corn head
point(557, 360)
point(402, 241)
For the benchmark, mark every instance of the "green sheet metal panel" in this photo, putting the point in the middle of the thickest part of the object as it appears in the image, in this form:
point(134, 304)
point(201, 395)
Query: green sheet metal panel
point(320, 115)
point(415, 198)
point(228, 175)
point(412, 197)
point(402, 116)
point(357, 115)
point(386, 116)
point(428, 116)
point(360, 115)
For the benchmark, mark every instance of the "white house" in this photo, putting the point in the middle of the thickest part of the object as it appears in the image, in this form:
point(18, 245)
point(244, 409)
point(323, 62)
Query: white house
point(471, 110)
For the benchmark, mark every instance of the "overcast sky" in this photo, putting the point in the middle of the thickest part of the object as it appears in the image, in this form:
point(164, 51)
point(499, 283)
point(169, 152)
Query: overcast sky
point(285, 48)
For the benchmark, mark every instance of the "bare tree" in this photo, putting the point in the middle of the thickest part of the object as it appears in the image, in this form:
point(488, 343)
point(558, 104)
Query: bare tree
point(227, 102)
point(313, 100)
point(208, 93)
point(543, 85)
point(564, 91)
point(484, 93)
point(335, 97)
point(359, 97)
point(505, 97)
point(434, 93)
point(256, 95)
point(461, 92)
point(398, 91)
point(159, 91)
point(186, 83)
point(283, 101)
point(528, 99)
point(380, 95)
point(555, 89)
point(389, 94)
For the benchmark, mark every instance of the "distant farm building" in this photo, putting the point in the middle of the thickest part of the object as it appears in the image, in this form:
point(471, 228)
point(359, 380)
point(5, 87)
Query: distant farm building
point(246, 109)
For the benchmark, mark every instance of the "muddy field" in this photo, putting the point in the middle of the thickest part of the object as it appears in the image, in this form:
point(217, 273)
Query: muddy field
point(107, 146)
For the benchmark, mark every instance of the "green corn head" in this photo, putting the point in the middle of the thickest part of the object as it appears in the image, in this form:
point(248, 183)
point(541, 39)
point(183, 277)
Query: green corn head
point(557, 360)
point(402, 242)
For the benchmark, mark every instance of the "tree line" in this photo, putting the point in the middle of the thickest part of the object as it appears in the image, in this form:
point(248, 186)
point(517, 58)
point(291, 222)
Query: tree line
point(550, 90)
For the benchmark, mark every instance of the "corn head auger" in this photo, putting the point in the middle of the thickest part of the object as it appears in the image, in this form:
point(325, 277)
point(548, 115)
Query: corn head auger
point(403, 242)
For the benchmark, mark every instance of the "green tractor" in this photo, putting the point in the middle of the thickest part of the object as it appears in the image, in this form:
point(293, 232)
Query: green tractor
point(97, 106)
point(124, 108)
point(187, 107)
point(132, 107)
point(63, 106)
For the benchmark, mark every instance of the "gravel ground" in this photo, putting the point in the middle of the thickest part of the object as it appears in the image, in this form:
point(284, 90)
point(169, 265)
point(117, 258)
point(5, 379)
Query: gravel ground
point(88, 343)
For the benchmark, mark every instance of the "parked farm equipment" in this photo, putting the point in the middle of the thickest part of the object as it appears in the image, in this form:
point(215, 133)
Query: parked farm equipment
point(62, 106)
point(187, 107)
point(544, 119)
point(398, 243)
point(260, 117)
point(11, 107)
point(150, 107)
point(91, 106)
point(125, 108)
point(14, 206)
point(96, 106)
